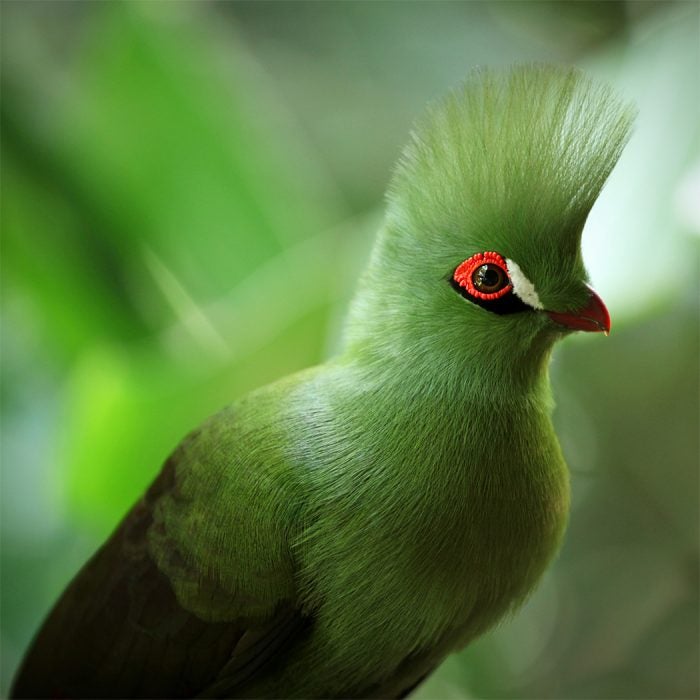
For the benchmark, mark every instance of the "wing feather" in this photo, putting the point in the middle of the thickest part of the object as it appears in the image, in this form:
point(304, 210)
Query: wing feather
point(119, 630)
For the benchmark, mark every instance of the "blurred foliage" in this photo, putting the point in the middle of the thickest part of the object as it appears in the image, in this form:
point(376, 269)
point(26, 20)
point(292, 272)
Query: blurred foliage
point(188, 194)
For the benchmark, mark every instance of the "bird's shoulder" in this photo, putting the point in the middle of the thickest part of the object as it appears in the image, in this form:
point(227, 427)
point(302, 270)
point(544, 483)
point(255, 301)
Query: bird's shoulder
point(228, 503)
point(194, 592)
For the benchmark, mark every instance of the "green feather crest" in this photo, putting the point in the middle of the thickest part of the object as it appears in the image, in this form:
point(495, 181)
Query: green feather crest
point(529, 148)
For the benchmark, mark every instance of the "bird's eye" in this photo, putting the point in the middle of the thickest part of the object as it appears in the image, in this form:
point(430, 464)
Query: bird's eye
point(484, 276)
point(489, 278)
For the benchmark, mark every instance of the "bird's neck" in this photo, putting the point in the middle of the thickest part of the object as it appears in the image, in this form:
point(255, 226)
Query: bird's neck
point(493, 369)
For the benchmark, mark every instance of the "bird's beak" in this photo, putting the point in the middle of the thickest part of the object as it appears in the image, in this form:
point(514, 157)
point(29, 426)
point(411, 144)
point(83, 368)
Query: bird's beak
point(593, 316)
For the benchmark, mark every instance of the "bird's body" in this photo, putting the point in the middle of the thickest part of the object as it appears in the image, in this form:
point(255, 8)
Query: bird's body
point(339, 532)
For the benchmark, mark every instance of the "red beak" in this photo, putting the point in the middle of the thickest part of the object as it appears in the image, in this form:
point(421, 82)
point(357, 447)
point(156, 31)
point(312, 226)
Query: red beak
point(591, 317)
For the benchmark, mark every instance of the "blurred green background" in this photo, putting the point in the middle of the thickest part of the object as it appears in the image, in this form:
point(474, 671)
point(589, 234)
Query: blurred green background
point(189, 191)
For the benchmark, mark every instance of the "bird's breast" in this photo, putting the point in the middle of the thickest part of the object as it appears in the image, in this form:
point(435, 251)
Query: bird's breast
point(425, 522)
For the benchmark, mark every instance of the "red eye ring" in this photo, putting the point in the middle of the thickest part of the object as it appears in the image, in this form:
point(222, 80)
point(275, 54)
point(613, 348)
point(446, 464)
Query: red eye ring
point(464, 274)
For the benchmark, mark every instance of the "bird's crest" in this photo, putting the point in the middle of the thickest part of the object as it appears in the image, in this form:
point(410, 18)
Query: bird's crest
point(529, 148)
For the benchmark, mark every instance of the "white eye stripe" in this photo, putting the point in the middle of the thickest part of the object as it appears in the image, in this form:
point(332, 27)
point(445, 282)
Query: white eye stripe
point(522, 287)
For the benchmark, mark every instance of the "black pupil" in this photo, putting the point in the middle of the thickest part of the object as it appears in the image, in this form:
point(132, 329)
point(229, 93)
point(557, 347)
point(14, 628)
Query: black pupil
point(488, 278)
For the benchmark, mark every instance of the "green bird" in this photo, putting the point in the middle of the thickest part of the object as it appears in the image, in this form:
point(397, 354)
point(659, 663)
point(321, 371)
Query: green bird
point(338, 533)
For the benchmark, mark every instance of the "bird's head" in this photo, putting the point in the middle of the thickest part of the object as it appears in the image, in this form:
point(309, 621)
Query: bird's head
point(481, 246)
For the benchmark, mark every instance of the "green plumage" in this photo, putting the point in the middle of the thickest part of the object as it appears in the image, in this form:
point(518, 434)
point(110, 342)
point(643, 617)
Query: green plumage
point(341, 531)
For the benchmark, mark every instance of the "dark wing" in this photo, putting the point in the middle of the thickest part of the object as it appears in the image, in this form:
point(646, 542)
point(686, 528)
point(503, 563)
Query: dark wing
point(119, 631)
